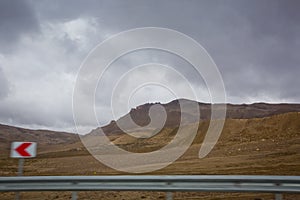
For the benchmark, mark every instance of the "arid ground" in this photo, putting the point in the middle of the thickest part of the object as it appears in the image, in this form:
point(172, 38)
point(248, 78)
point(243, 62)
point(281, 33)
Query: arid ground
point(258, 146)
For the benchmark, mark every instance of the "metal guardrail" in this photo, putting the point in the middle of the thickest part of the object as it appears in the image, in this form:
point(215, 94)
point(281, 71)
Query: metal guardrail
point(209, 183)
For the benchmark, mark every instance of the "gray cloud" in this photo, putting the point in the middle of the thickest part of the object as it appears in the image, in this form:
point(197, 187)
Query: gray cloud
point(16, 18)
point(42, 44)
point(4, 85)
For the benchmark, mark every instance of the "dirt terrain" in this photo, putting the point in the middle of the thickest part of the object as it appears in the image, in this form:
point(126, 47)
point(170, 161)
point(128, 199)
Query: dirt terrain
point(255, 146)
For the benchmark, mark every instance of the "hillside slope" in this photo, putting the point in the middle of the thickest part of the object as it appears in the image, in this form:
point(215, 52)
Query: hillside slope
point(9, 134)
point(257, 146)
point(140, 114)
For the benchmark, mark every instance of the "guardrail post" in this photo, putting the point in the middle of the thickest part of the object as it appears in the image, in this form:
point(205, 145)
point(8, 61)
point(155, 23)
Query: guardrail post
point(74, 195)
point(278, 196)
point(17, 197)
point(169, 196)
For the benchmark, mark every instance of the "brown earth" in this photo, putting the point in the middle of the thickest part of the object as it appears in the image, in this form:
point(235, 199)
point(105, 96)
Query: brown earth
point(257, 146)
point(140, 114)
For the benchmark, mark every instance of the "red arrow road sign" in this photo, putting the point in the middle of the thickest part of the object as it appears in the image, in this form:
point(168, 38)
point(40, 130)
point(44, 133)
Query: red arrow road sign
point(22, 149)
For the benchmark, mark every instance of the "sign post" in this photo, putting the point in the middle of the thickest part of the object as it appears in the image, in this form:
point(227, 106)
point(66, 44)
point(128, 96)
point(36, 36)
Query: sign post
point(20, 168)
point(22, 150)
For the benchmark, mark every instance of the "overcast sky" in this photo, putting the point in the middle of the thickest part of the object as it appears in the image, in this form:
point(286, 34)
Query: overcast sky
point(255, 44)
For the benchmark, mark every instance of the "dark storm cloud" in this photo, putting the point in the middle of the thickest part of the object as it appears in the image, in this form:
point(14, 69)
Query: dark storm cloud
point(17, 17)
point(263, 57)
point(254, 43)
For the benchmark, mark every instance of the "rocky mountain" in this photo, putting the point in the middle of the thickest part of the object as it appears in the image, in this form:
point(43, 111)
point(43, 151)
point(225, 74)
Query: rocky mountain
point(140, 114)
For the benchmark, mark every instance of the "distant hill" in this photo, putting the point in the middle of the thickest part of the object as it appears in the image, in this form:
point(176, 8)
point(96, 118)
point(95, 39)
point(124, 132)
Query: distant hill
point(282, 127)
point(257, 139)
point(140, 114)
point(10, 134)
point(264, 146)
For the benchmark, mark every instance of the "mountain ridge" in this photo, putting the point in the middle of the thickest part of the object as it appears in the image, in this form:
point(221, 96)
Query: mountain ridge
point(140, 114)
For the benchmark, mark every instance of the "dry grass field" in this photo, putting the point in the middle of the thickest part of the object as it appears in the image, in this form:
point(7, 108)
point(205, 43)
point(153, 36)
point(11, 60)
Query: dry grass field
point(259, 146)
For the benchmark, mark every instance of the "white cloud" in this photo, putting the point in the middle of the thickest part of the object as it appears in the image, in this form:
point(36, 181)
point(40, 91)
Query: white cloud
point(42, 74)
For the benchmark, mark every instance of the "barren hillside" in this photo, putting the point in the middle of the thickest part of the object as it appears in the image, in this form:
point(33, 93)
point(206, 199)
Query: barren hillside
point(140, 114)
point(261, 142)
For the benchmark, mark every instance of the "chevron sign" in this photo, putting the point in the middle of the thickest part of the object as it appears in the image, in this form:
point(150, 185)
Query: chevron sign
point(23, 150)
